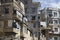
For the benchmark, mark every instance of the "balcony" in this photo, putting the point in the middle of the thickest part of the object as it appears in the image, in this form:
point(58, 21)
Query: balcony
point(19, 6)
point(51, 24)
point(17, 15)
point(16, 4)
point(10, 29)
point(54, 33)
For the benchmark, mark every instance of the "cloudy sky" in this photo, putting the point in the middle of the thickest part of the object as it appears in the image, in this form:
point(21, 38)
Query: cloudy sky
point(49, 3)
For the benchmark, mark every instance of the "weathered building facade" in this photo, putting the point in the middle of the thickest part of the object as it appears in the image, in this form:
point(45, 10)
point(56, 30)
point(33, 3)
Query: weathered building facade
point(52, 19)
point(31, 10)
point(12, 20)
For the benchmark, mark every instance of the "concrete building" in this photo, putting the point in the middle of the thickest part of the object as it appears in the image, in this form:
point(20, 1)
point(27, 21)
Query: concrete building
point(51, 16)
point(31, 10)
point(13, 24)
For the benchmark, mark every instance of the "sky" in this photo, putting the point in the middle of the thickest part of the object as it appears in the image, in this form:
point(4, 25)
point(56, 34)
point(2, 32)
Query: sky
point(49, 3)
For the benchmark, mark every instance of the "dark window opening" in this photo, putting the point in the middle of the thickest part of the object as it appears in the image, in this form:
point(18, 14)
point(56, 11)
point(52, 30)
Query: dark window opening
point(11, 0)
point(43, 32)
point(55, 14)
point(26, 2)
point(14, 25)
point(39, 24)
point(11, 39)
point(50, 15)
point(38, 17)
point(55, 21)
point(14, 12)
point(25, 10)
point(56, 29)
point(2, 1)
point(6, 10)
point(55, 38)
point(33, 17)
point(6, 1)
point(22, 38)
point(16, 0)
point(59, 21)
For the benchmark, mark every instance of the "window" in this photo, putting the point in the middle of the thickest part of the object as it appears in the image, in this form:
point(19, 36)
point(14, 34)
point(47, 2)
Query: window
point(16, 0)
point(56, 29)
point(26, 2)
point(59, 13)
point(39, 24)
point(50, 38)
point(55, 21)
point(11, 39)
point(2, 1)
point(43, 32)
point(55, 14)
point(33, 17)
point(6, 1)
point(51, 21)
point(49, 13)
point(38, 17)
point(14, 11)
point(14, 25)
point(25, 10)
point(11, 0)
point(33, 9)
point(59, 21)
point(35, 34)
point(6, 10)
point(26, 16)
point(55, 38)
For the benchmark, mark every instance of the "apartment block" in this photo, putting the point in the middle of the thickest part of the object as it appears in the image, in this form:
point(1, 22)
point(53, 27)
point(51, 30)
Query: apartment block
point(51, 17)
point(13, 22)
point(33, 16)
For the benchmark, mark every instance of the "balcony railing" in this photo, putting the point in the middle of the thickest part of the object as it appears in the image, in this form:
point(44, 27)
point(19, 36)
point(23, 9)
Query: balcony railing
point(18, 16)
point(19, 5)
